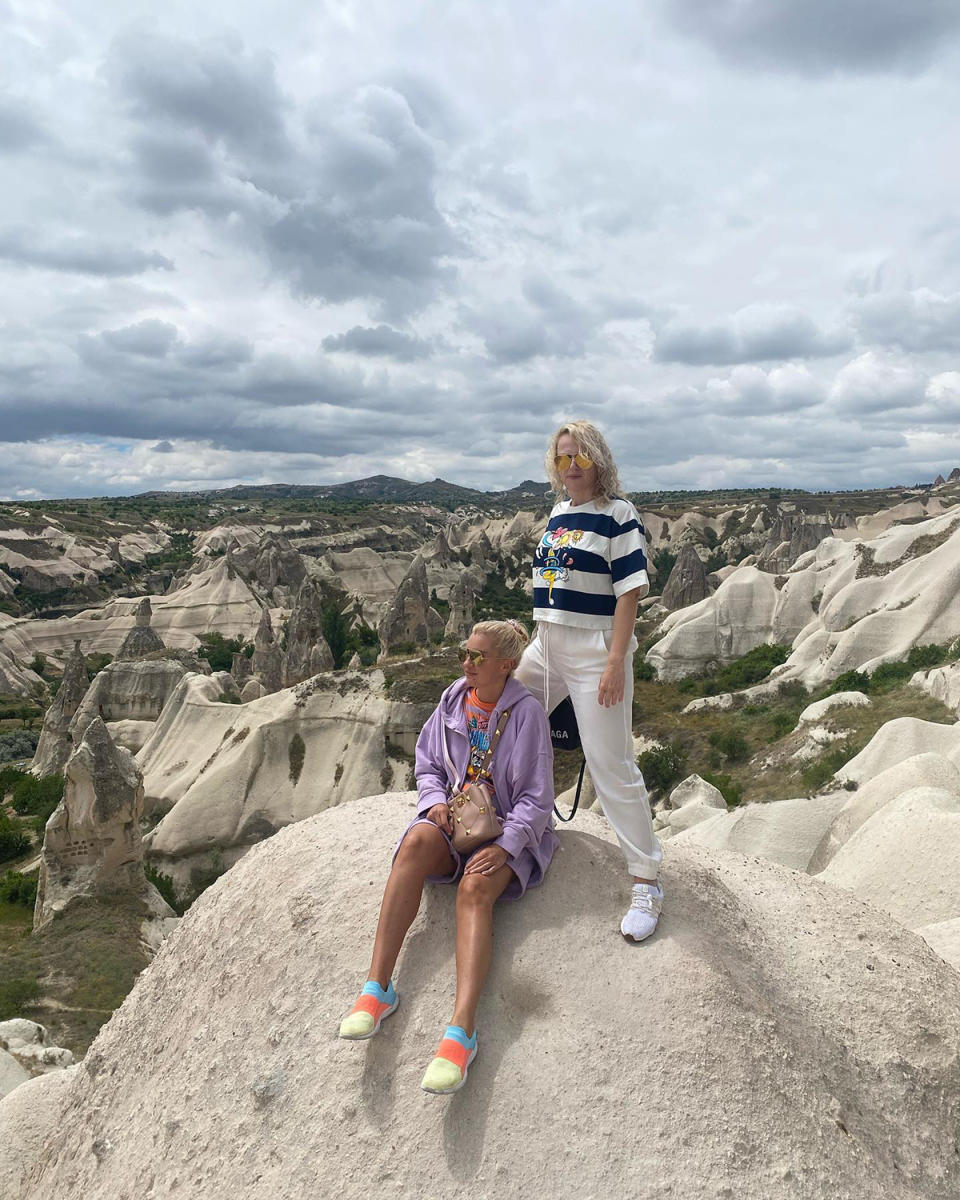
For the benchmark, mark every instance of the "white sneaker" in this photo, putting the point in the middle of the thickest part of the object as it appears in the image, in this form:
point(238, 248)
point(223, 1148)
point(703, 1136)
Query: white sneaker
point(644, 912)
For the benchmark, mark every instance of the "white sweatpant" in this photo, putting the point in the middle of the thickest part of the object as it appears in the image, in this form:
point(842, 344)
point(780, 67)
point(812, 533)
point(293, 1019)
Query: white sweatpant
point(564, 660)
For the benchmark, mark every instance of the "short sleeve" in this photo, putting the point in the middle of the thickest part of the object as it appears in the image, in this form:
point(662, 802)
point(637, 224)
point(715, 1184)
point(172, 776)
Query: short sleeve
point(628, 559)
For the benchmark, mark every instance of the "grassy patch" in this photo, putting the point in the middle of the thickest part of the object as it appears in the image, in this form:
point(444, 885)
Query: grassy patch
point(422, 681)
point(83, 965)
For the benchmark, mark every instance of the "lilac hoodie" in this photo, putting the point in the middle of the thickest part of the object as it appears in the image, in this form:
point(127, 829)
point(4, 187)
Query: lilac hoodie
point(522, 773)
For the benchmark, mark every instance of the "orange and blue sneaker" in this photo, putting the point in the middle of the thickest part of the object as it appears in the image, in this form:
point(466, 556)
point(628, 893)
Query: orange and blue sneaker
point(448, 1071)
point(364, 1019)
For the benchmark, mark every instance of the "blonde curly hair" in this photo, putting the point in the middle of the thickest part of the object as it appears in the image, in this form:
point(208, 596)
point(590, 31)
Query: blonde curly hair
point(590, 441)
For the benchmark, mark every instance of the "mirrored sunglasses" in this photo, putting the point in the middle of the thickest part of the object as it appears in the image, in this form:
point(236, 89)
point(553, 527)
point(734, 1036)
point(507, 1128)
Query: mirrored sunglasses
point(475, 656)
point(563, 462)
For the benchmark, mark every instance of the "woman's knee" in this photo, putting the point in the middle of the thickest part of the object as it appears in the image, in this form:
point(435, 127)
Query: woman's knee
point(422, 845)
point(476, 889)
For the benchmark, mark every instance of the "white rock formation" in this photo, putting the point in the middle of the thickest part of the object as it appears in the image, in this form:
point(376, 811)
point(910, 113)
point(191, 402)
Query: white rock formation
point(12, 1073)
point(721, 703)
point(922, 770)
point(32, 1047)
point(819, 709)
point(216, 598)
point(897, 740)
point(906, 857)
point(809, 1047)
point(409, 617)
point(694, 790)
point(91, 845)
point(227, 777)
point(843, 606)
point(56, 744)
point(786, 832)
point(16, 654)
point(943, 683)
point(29, 1115)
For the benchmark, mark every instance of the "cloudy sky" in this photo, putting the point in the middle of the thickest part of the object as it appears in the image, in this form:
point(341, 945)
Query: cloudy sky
point(321, 239)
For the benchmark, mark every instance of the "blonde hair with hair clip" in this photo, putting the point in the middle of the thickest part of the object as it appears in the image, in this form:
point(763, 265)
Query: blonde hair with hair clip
point(508, 637)
point(590, 441)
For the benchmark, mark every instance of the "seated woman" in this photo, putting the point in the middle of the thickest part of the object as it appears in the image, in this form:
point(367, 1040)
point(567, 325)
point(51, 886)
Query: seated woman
point(451, 749)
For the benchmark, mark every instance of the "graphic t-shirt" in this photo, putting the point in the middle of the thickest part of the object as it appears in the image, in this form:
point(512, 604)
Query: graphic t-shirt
point(589, 555)
point(478, 731)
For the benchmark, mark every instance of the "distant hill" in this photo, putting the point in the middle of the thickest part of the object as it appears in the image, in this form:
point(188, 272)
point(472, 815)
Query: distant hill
point(376, 488)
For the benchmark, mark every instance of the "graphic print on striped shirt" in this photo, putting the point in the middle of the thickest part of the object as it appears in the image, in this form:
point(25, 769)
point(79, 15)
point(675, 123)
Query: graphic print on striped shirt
point(588, 556)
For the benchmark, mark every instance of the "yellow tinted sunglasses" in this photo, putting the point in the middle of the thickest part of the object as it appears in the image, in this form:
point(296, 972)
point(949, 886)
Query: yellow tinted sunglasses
point(563, 462)
point(475, 656)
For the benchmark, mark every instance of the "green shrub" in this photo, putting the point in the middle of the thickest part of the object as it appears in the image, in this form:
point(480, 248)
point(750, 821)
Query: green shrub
point(850, 681)
point(16, 888)
point(662, 766)
point(229, 698)
point(821, 770)
point(17, 994)
point(17, 743)
point(95, 663)
point(731, 792)
point(792, 689)
point(37, 798)
point(38, 663)
point(297, 751)
point(165, 886)
point(664, 560)
point(218, 650)
point(643, 671)
point(783, 723)
point(731, 744)
point(8, 777)
point(13, 841)
point(753, 667)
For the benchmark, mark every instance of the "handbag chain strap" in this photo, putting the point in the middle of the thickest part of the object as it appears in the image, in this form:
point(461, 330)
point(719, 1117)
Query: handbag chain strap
point(485, 765)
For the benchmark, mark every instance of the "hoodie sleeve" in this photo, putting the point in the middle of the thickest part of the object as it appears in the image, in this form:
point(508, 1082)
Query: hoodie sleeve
point(430, 768)
point(529, 776)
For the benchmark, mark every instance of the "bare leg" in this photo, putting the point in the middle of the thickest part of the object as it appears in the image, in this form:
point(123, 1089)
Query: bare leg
point(476, 896)
point(423, 852)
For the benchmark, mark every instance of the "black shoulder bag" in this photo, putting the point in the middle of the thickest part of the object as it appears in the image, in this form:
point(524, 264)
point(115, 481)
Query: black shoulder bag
point(565, 735)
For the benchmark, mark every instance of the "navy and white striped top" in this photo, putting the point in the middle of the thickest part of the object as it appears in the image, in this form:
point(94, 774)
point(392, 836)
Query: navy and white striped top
point(589, 555)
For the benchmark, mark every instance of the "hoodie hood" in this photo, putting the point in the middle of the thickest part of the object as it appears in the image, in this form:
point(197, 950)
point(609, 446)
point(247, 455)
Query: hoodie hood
point(451, 702)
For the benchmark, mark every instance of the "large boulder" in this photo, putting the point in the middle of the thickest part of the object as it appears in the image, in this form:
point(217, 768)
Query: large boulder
point(897, 740)
point(810, 1046)
point(29, 1115)
point(128, 690)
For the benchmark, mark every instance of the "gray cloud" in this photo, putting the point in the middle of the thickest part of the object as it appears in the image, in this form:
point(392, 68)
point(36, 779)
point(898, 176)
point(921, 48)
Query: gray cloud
point(755, 334)
point(214, 87)
point(163, 447)
point(380, 341)
point(19, 128)
point(151, 338)
point(371, 226)
point(82, 255)
point(817, 37)
point(918, 321)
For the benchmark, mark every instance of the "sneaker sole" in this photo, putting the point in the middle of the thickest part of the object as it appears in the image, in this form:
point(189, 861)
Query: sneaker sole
point(363, 1037)
point(457, 1087)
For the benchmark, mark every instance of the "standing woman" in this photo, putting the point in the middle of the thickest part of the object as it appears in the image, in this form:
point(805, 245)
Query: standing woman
point(589, 572)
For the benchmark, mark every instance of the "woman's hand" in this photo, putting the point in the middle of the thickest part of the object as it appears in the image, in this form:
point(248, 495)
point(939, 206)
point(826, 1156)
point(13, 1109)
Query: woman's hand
point(487, 860)
point(440, 816)
point(610, 691)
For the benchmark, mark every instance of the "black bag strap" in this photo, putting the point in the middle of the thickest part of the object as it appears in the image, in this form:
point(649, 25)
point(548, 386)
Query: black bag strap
point(576, 800)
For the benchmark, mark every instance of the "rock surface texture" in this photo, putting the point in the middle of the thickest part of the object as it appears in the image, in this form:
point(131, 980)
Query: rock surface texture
point(810, 1046)
point(141, 640)
point(409, 617)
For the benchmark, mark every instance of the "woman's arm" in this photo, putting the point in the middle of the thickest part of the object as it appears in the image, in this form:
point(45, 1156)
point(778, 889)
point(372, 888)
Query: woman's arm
point(430, 768)
point(610, 691)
